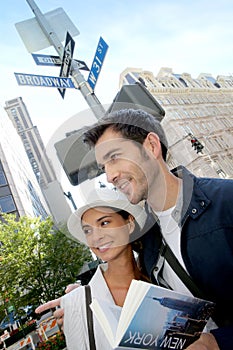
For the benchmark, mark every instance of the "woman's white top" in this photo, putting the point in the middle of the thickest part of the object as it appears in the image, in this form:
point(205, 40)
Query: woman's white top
point(75, 321)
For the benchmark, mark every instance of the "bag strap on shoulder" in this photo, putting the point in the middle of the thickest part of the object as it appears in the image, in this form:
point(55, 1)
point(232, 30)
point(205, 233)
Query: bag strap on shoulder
point(169, 256)
point(89, 318)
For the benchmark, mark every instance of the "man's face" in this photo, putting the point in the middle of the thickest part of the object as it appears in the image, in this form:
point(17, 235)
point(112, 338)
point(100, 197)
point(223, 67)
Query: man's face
point(127, 165)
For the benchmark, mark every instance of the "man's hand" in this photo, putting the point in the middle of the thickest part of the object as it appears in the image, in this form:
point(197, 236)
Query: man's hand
point(56, 303)
point(205, 342)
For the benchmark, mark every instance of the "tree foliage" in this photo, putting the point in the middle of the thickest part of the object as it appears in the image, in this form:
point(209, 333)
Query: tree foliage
point(36, 260)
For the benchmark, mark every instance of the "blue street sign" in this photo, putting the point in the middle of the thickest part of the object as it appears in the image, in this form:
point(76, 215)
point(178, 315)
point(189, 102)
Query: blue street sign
point(46, 60)
point(97, 63)
point(50, 60)
point(43, 80)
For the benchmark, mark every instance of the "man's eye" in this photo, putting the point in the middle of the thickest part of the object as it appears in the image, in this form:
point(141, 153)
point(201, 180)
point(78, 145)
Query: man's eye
point(101, 167)
point(114, 156)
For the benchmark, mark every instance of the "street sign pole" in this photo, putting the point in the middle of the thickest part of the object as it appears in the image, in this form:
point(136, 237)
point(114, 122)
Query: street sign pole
point(79, 79)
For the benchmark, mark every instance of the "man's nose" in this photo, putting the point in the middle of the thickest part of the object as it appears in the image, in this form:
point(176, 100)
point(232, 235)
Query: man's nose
point(112, 173)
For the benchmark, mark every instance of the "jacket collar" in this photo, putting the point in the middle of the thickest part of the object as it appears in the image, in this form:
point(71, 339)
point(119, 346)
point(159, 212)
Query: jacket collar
point(191, 200)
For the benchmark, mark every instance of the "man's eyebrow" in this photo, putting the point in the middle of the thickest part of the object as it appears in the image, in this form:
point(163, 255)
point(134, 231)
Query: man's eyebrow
point(107, 155)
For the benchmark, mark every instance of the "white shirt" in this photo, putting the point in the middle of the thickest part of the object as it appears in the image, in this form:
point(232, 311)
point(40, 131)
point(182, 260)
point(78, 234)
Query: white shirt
point(75, 321)
point(171, 233)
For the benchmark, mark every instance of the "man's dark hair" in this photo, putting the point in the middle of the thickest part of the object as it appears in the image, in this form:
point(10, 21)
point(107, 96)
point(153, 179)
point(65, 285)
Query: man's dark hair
point(133, 124)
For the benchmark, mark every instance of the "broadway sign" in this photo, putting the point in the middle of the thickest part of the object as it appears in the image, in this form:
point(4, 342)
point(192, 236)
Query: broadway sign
point(43, 80)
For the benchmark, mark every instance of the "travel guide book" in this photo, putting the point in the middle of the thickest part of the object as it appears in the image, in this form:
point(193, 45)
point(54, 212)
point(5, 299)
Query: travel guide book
point(153, 317)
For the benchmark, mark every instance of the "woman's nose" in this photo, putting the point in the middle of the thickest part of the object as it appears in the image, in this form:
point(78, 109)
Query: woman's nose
point(97, 234)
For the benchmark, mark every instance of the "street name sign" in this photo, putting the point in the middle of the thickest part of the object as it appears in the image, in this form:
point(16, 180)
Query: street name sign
point(43, 80)
point(50, 60)
point(46, 60)
point(97, 63)
point(66, 60)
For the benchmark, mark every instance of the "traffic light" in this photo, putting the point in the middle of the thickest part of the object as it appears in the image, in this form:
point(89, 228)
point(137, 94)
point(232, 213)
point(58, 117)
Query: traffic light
point(196, 144)
point(137, 96)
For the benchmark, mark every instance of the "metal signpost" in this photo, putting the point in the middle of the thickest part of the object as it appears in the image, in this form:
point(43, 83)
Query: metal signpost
point(75, 73)
point(50, 29)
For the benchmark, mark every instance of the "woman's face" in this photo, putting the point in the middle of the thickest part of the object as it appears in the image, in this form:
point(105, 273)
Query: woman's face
point(107, 232)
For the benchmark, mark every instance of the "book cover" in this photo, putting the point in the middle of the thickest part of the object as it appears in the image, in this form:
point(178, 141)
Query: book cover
point(153, 318)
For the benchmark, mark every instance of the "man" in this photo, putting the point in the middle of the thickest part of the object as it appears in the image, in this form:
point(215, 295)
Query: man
point(195, 215)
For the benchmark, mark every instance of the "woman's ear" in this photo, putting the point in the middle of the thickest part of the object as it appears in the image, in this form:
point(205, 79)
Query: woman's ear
point(131, 224)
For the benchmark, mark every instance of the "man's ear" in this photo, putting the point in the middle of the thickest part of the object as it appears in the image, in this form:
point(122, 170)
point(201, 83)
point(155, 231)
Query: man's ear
point(152, 143)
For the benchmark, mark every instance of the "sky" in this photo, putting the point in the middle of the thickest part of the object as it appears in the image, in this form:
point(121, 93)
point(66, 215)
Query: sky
point(187, 36)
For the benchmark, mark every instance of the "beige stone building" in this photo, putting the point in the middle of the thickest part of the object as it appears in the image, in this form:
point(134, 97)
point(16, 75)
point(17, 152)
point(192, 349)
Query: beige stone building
point(202, 107)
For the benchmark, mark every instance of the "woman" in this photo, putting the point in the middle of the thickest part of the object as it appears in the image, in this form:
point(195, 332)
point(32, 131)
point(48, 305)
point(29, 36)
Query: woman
point(107, 224)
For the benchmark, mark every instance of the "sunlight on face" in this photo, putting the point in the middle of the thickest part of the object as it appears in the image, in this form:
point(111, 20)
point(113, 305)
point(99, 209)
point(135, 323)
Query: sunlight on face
point(126, 164)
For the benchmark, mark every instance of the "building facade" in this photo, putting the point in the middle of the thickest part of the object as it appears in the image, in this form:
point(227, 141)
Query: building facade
point(201, 107)
point(33, 144)
point(20, 193)
point(40, 163)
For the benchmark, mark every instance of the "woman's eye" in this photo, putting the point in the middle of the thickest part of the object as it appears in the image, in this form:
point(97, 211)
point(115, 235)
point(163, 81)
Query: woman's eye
point(87, 231)
point(104, 223)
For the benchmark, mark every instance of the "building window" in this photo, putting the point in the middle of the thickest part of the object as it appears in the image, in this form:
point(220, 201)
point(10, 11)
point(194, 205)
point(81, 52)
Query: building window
point(2, 178)
point(7, 204)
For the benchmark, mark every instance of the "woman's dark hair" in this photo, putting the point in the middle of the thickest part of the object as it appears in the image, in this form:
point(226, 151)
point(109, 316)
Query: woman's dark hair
point(125, 215)
point(135, 243)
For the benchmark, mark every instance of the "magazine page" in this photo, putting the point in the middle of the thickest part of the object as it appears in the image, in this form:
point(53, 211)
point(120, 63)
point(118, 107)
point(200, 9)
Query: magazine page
point(134, 297)
point(165, 320)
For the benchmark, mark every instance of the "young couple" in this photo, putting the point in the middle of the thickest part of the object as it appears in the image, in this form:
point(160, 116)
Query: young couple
point(195, 215)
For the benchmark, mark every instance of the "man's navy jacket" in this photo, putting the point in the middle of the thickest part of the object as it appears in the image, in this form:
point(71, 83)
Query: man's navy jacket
point(206, 221)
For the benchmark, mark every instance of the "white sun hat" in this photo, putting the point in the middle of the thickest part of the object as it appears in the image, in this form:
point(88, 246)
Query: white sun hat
point(105, 197)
